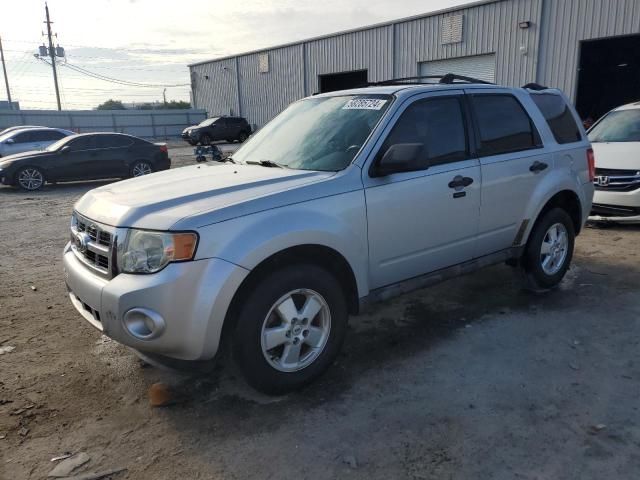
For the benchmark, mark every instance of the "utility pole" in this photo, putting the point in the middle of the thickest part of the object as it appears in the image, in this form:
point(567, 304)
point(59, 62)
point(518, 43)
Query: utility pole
point(52, 55)
point(164, 97)
point(6, 78)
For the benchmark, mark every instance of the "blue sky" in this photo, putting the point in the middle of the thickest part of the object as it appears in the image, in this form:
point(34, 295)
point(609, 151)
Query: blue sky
point(152, 41)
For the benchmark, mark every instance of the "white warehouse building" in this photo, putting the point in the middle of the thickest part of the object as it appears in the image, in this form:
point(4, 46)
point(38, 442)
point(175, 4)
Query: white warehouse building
point(588, 48)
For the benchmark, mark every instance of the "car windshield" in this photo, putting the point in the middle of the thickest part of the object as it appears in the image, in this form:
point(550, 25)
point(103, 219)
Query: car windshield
point(60, 143)
point(618, 126)
point(207, 122)
point(322, 133)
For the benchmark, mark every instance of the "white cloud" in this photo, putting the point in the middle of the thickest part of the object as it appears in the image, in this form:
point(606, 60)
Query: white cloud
point(152, 41)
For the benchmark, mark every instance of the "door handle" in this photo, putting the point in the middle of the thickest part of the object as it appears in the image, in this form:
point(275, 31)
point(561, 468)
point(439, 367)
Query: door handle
point(537, 167)
point(459, 182)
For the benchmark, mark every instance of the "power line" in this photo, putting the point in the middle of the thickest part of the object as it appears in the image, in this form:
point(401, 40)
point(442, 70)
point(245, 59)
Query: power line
point(119, 81)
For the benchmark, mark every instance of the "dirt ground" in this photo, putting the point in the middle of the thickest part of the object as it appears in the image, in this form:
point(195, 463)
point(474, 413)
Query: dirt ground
point(469, 379)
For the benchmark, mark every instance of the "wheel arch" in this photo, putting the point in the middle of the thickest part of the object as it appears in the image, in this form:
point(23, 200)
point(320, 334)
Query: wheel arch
point(566, 199)
point(315, 254)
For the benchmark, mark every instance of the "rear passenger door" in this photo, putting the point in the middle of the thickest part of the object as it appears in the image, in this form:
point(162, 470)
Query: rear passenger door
point(425, 219)
point(513, 162)
point(114, 155)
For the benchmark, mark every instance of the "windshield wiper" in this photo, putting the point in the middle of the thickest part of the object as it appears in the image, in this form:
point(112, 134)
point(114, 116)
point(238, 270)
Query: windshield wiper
point(226, 159)
point(265, 163)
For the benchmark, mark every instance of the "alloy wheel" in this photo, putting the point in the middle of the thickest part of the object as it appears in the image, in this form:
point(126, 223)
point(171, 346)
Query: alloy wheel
point(141, 168)
point(296, 330)
point(30, 178)
point(554, 249)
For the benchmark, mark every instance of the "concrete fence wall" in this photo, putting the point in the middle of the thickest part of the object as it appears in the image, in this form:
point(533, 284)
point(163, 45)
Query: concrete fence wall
point(141, 123)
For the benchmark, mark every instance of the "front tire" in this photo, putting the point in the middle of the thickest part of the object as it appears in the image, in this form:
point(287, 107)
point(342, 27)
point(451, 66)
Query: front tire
point(30, 179)
point(242, 137)
point(549, 250)
point(290, 328)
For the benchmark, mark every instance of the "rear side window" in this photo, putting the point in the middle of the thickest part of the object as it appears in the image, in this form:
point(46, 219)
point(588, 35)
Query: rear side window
point(437, 123)
point(112, 141)
point(503, 124)
point(559, 117)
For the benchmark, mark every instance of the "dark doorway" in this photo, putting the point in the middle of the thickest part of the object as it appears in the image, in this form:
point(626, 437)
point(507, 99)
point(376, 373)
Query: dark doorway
point(609, 75)
point(342, 81)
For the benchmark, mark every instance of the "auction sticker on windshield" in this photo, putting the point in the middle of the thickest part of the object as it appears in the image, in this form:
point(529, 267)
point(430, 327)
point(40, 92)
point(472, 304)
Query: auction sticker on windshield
point(364, 104)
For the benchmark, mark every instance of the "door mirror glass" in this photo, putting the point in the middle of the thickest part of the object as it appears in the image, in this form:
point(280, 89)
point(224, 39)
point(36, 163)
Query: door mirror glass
point(400, 157)
point(10, 141)
point(65, 149)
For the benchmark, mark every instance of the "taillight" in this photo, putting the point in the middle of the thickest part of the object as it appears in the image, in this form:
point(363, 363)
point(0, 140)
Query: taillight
point(591, 162)
point(163, 148)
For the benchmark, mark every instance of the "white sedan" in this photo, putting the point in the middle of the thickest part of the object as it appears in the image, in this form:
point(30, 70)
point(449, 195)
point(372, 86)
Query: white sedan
point(616, 145)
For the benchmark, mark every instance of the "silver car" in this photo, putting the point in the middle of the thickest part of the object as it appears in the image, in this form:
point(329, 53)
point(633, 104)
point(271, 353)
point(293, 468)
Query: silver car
point(342, 200)
point(31, 138)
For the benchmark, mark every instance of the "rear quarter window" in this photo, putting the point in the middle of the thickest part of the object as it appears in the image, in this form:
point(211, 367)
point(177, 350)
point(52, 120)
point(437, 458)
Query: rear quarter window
point(558, 116)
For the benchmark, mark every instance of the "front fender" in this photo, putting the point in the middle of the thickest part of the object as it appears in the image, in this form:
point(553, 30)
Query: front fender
point(337, 222)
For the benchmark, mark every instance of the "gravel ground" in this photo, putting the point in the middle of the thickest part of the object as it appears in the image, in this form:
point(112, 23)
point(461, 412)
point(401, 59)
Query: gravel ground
point(469, 379)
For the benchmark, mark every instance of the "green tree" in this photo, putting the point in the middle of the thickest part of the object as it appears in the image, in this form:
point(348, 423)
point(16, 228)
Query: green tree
point(111, 105)
point(178, 104)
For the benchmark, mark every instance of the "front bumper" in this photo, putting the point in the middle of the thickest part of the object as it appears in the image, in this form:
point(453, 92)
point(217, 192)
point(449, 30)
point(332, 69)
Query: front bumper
point(191, 297)
point(619, 207)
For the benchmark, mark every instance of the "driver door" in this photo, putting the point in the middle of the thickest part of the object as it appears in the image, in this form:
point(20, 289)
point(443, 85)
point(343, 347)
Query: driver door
point(423, 220)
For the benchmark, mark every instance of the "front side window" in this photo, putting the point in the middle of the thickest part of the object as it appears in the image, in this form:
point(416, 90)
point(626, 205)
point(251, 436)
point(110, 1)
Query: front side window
point(24, 137)
point(82, 143)
point(321, 133)
point(503, 124)
point(619, 126)
point(558, 116)
point(208, 122)
point(438, 124)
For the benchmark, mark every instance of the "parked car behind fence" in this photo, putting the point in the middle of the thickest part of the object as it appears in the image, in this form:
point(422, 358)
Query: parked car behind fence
point(86, 156)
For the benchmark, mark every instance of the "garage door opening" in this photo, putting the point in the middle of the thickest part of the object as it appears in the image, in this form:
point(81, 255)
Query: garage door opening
point(482, 67)
point(342, 81)
point(609, 75)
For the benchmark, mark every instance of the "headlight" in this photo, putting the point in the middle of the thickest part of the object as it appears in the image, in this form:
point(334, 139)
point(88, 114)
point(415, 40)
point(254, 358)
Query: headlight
point(149, 252)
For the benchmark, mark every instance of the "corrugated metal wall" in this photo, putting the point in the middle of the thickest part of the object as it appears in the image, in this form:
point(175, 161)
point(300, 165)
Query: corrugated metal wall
point(370, 50)
point(264, 95)
point(565, 23)
point(546, 52)
point(490, 28)
point(141, 123)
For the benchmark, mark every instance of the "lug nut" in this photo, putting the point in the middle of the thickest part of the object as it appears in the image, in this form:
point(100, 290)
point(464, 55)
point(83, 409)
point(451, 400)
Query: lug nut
point(296, 341)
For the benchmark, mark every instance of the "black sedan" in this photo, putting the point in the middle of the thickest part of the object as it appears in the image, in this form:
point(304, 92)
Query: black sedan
point(88, 156)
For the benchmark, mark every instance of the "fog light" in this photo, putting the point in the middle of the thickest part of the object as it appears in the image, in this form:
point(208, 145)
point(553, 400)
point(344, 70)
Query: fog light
point(143, 324)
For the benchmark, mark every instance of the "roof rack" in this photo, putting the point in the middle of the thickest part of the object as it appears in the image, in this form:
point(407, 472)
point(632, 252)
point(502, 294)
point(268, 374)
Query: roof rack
point(534, 86)
point(447, 79)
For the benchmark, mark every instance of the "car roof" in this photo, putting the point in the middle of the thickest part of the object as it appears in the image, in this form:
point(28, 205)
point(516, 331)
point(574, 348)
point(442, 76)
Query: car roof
point(408, 89)
point(628, 106)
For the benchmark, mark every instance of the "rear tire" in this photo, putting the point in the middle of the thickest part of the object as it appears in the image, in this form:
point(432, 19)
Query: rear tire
point(140, 168)
point(290, 328)
point(242, 137)
point(549, 250)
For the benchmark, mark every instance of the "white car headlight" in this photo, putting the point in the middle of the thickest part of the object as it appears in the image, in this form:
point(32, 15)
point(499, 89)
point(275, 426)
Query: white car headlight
point(146, 251)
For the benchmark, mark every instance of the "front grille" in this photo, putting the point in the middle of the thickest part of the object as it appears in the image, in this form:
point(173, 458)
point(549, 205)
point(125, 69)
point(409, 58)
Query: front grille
point(615, 180)
point(95, 251)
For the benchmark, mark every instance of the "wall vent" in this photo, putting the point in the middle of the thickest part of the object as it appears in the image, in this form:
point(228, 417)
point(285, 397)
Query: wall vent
point(263, 63)
point(451, 29)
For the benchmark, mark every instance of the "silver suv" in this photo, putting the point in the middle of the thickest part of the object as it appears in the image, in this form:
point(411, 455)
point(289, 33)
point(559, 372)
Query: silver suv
point(343, 199)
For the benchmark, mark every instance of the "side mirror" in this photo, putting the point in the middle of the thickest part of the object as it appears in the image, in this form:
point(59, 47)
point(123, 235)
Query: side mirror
point(10, 141)
point(65, 149)
point(400, 157)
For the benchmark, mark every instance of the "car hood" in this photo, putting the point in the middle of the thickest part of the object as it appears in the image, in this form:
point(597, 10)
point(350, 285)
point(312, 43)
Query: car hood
point(188, 129)
point(4, 161)
point(208, 192)
point(618, 155)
